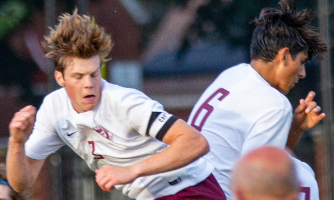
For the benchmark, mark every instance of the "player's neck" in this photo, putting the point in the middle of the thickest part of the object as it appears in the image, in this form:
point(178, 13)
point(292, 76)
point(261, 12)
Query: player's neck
point(267, 70)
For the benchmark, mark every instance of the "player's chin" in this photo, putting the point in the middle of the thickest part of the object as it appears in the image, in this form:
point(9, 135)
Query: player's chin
point(284, 90)
point(287, 89)
point(89, 107)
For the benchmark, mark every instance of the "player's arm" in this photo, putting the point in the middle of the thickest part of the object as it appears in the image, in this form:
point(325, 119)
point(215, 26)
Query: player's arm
point(21, 170)
point(186, 145)
point(305, 117)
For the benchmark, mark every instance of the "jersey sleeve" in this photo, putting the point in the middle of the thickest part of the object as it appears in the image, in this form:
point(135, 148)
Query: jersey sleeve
point(43, 140)
point(145, 115)
point(308, 183)
point(270, 129)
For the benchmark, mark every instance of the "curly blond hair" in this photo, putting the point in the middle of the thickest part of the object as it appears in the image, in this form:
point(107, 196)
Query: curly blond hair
point(76, 36)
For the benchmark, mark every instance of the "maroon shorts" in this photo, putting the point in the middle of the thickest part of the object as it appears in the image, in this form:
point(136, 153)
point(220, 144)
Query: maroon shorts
point(208, 189)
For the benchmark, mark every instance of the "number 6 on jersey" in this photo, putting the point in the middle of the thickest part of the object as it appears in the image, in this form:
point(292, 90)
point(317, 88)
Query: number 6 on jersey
point(209, 108)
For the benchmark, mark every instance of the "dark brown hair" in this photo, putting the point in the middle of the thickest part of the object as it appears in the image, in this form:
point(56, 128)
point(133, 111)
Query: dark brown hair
point(276, 29)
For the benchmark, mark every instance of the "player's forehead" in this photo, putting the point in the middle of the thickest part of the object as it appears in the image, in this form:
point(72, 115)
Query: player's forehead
point(76, 65)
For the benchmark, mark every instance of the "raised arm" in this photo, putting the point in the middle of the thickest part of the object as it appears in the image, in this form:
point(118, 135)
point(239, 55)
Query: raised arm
point(186, 145)
point(21, 170)
point(305, 117)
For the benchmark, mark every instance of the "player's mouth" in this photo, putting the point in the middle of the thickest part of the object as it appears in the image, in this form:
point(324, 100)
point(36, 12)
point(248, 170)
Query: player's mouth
point(90, 97)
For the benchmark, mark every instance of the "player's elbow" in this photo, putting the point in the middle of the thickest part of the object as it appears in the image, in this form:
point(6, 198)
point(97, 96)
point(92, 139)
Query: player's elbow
point(19, 187)
point(202, 145)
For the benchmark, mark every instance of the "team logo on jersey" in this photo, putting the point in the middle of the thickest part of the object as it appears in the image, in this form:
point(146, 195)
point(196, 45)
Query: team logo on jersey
point(102, 131)
point(70, 133)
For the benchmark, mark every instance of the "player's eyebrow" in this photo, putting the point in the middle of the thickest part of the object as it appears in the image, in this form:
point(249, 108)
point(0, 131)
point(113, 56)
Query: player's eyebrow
point(82, 73)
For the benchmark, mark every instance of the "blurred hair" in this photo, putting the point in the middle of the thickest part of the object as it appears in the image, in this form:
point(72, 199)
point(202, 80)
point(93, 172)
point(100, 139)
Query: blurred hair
point(276, 29)
point(265, 171)
point(14, 195)
point(76, 36)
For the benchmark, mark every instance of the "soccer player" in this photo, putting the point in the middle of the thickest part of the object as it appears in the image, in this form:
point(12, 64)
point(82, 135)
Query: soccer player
point(124, 136)
point(245, 107)
point(266, 172)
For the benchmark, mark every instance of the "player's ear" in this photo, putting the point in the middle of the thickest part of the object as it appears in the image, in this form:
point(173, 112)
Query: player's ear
point(284, 55)
point(59, 78)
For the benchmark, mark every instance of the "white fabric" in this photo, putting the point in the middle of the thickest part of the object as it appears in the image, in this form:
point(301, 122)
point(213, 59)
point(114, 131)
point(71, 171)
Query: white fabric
point(308, 183)
point(113, 133)
point(244, 112)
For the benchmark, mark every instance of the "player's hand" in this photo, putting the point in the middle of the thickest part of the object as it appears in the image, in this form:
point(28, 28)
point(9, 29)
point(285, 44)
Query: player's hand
point(307, 114)
point(110, 175)
point(22, 124)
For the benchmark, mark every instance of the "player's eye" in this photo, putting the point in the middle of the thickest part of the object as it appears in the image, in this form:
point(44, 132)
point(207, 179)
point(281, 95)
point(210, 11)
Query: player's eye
point(95, 74)
point(78, 77)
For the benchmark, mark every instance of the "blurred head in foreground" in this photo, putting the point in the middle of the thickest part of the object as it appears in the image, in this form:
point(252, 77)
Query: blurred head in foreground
point(265, 173)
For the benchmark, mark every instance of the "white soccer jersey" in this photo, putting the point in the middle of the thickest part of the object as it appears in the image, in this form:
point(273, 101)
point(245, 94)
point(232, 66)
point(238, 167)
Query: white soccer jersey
point(309, 186)
point(238, 112)
point(122, 130)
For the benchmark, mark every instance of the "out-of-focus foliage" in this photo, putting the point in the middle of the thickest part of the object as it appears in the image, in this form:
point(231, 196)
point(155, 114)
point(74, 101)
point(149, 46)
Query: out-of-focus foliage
point(12, 13)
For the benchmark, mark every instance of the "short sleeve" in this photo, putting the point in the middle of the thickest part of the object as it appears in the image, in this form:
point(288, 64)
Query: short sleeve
point(272, 128)
point(159, 124)
point(143, 114)
point(43, 140)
